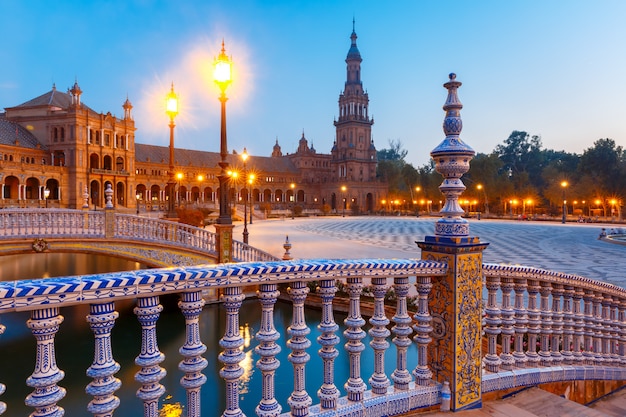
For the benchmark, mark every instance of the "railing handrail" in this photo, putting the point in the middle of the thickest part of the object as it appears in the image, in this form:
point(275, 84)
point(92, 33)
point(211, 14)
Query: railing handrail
point(555, 277)
point(23, 295)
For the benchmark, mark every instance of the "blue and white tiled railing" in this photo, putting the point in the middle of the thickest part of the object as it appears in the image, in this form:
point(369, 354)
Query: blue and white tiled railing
point(576, 331)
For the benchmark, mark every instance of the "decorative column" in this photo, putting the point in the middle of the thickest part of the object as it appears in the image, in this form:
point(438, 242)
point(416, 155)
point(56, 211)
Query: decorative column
point(148, 311)
point(109, 214)
point(557, 325)
point(546, 324)
point(101, 319)
point(190, 305)
point(355, 386)
point(402, 330)
point(267, 350)
point(299, 400)
point(232, 355)
point(455, 301)
point(534, 323)
point(44, 325)
point(568, 325)
point(3, 405)
point(597, 336)
point(607, 327)
point(621, 317)
point(328, 392)
point(521, 322)
point(492, 324)
point(579, 327)
point(589, 326)
point(379, 334)
point(508, 322)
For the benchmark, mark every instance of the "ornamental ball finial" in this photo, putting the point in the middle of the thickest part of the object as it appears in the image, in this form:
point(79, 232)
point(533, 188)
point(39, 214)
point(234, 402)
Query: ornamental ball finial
point(452, 76)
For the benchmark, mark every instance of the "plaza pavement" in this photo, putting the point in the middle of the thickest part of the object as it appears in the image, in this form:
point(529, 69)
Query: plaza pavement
point(572, 248)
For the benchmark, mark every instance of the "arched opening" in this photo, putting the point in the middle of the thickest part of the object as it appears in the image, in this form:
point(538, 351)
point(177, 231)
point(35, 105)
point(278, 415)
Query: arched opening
point(53, 185)
point(11, 186)
point(267, 195)
point(32, 189)
point(107, 163)
point(119, 164)
point(300, 196)
point(333, 202)
point(208, 194)
point(369, 203)
point(120, 190)
point(95, 193)
point(94, 161)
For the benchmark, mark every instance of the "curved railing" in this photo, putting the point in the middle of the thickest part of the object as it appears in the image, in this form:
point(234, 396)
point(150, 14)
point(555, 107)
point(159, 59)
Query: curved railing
point(44, 297)
point(576, 331)
point(544, 326)
point(79, 224)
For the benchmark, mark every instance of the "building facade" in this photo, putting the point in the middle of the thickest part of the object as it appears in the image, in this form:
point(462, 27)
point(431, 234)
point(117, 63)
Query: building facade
point(55, 151)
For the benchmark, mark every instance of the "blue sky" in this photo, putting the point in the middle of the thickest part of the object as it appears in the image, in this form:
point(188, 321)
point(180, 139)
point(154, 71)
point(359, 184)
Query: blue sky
point(551, 68)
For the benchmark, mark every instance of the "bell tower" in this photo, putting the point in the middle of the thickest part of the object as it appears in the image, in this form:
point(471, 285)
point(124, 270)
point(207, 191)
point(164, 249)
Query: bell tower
point(354, 154)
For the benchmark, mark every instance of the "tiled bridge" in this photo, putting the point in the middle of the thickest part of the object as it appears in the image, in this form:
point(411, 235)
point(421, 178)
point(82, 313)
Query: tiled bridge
point(154, 242)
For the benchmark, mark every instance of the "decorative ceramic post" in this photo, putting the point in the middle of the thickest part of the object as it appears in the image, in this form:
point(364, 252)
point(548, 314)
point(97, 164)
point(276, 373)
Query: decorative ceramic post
point(191, 304)
point(109, 213)
point(101, 319)
point(44, 325)
point(328, 339)
point(455, 300)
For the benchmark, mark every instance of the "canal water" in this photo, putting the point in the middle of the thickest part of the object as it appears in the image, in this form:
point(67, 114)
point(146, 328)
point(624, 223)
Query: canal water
point(75, 348)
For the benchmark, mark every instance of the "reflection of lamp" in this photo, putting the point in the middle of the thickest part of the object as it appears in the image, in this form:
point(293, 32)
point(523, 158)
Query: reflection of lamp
point(171, 108)
point(138, 197)
point(244, 157)
point(564, 185)
point(46, 194)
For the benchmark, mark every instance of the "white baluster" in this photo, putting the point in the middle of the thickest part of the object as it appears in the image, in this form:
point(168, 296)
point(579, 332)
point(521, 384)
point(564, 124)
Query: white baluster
point(232, 354)
point(615, 332)
point(492, 328)
point(3, 406)
point(534, 323)
point(379, 333)
point(508, 321)
point(328, 339)
point(589, 328)
point(299, 400)
point(402, 330)
point(190, 305)
point(622, 331)
point(579, 327)
point(101, 319)
point(521, 322)
point(355, 386)
point(545, 358)
point(607, 326)
point(557, 325)
point(422, 372)
point(147, 311)
point(267, 350)
point(568, 325)
point(44, 324)
point(597, 336)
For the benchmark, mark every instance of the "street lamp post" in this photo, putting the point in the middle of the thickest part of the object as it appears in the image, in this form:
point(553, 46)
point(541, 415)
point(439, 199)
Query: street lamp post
point(343, 197)
point(251, 178)
point(171, 105)
point(293, 201)
point(224, 225)
point(244, 157)
point(138, 197)
point(46, 194)
point(480, 187)
point(564, 185)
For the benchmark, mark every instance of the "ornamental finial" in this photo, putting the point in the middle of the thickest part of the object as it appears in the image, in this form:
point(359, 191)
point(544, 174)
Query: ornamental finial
point(452, 158)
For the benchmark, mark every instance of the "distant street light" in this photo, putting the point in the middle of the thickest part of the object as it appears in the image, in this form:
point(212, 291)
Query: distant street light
point(293, 200)
point(46, 194)
point(343, 197)
point(564, 185)
point(138, 197)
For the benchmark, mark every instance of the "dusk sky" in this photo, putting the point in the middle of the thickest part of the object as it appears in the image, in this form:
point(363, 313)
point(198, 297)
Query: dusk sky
point(551, 68)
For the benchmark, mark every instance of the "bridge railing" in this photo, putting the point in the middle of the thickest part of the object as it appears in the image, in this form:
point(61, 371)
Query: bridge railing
point(579, 324)
point(544, 326)
point(65, 223)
